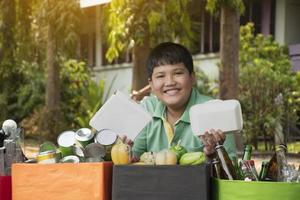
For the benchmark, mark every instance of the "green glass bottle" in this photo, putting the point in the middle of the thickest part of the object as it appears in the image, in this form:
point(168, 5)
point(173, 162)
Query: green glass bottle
point(263, 170)
point(247, 152)
point(237, 168)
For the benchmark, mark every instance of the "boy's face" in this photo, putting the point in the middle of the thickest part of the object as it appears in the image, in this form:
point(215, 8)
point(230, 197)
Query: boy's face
point(172, 84)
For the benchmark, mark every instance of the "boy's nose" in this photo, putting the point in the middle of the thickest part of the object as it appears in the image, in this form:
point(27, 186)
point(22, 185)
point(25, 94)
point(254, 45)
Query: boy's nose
point(170, 80)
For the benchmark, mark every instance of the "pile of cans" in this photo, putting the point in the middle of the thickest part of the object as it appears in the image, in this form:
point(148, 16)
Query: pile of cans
point(83, 145)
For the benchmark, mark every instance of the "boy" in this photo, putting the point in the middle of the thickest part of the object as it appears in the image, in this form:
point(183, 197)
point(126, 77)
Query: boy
point(171, 77)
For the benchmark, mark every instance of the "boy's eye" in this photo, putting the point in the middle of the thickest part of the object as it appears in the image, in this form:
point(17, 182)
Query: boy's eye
point(179, 72)
point(159, 76)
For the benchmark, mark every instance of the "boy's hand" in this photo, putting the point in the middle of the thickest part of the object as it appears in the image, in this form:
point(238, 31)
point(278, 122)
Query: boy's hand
point(210, 139)
point(126, 140)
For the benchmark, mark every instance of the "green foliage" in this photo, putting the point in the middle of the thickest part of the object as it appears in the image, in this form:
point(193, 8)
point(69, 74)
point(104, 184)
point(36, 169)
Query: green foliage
point(266, 85)
point(81, 97)
point(206, 86)
point(91, 103)
point(31, 92)
point(134, 21)
point(76, 86)
point(213, 6)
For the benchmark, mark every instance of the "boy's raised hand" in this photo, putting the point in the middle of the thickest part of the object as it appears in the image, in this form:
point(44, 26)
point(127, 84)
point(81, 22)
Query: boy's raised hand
point(210, 139)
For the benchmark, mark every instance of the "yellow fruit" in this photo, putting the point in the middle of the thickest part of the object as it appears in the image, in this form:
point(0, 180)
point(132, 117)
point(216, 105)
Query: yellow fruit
point(166, 157)
point(120, 154)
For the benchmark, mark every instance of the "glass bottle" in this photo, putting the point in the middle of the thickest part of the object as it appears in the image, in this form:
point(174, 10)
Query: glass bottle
point(263, 170)
point(249, 171)
point(247, 152)
point(277, 163)
point(237, 168)
point(216, 169)
point(226, 165)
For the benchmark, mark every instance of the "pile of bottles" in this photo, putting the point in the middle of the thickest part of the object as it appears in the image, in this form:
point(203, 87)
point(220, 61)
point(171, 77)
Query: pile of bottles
point(276, 169)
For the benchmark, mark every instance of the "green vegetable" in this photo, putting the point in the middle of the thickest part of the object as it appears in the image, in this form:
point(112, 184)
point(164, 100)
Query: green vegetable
point(192, 158)
point(178, 150)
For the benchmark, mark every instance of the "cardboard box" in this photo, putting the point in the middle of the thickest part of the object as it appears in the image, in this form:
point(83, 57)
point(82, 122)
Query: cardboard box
point(5, 187)
point(63, 181)
point(237, 190)
point(135, 182)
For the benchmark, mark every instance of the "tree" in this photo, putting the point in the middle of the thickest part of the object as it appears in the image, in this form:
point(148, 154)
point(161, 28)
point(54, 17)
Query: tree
point(267, 87)
point(229, 44)
point(229, 47)
point(141, 24)
point(61, 22)
point(11, 55)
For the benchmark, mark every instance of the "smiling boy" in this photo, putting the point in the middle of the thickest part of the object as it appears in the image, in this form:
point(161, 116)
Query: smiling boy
point(171, 77)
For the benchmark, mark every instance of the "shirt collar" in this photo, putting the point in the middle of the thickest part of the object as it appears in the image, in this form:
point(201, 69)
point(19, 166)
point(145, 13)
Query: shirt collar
point(161, 108)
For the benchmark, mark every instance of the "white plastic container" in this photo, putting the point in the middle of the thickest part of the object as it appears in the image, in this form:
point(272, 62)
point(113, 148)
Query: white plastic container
point(216, 114)
point(121, 115)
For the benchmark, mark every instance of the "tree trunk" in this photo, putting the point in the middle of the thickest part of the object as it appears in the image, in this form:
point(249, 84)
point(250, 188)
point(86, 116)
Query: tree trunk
point(50, 121)
point(229, 53)
point(52, 84)
point(139, 71)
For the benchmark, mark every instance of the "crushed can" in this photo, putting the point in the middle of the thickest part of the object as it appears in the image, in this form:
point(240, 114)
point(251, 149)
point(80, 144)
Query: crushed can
point(95, 152)
point(80, 152)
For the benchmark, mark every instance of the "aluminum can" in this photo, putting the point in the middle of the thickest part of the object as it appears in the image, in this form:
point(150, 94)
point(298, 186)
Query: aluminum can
point(46, 157)
point(84, 136)
point(107, 138)
point(70, 159)
point(65, 141)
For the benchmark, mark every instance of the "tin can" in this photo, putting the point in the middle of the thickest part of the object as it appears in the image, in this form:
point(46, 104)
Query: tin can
point(65, 141)
point(107, 138)
point(84, 136)
point(70, 159)
point(79, 152)
point(46, 157)
point(96, 151)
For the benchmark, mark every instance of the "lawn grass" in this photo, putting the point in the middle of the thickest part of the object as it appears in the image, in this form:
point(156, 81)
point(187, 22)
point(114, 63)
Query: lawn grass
point(293, 147)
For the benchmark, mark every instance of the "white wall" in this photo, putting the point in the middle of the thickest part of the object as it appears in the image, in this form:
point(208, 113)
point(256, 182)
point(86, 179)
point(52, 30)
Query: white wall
point(118, 77)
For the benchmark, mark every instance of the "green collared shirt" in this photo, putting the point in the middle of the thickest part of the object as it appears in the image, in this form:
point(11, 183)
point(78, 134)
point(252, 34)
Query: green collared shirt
point(154, 138)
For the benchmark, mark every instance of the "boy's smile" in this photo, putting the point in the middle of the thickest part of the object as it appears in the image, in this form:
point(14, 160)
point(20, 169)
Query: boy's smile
point(172, 84)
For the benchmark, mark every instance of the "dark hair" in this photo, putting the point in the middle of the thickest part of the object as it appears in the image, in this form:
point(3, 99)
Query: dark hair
point(169, 53)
